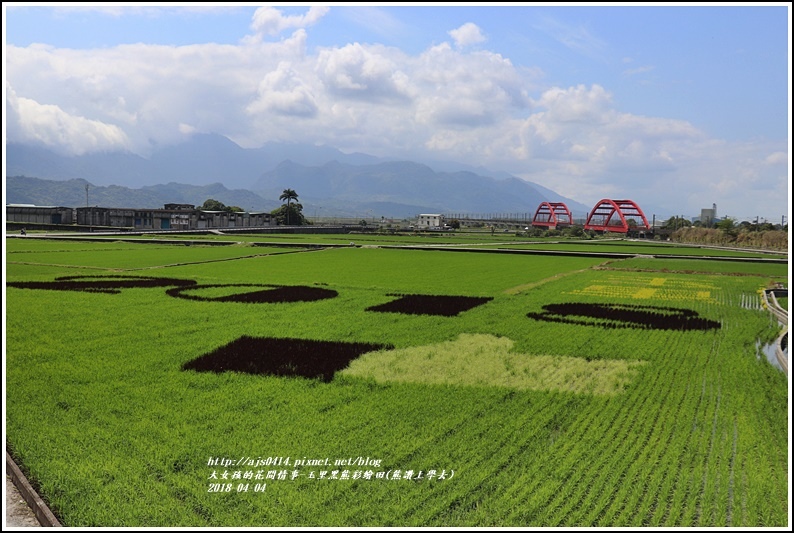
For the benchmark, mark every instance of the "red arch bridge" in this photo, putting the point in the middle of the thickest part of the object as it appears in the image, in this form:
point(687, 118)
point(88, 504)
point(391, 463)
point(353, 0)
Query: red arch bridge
point(620, 216)
point(551, 215)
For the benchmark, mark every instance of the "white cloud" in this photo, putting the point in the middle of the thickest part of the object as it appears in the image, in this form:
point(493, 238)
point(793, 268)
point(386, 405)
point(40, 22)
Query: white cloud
point(282, 91)
point(576, 104)
point(578, 144)
point(458, 89)
point(269, 20)
point(366, 73)
point(638, 70)
point(777, 158)
point(467, 35)
point(149, 90)
point(30, 121)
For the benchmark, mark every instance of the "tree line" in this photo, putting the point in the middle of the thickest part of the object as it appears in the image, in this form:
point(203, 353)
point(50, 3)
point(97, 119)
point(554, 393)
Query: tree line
point(288, 214)
point(727, 232)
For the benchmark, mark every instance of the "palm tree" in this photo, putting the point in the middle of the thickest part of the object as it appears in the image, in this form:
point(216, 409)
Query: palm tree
point(288, 195)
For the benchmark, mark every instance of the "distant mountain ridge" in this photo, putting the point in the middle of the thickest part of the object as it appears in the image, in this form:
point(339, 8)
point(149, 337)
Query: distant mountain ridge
point(404, 182)
point(72, 193)
point(203, 160)
point(328, 181)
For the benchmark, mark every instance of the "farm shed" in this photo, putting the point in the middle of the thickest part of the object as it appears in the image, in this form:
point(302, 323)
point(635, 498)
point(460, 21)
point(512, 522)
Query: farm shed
point(172, 217)
point(33, 214)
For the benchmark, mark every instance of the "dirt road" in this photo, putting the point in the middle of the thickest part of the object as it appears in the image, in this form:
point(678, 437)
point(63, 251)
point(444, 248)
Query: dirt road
point(18, 514)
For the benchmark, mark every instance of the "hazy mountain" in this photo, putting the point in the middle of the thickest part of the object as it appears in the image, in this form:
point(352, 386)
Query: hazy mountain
point(72, 193)
point(202, 160)
point(121, 168)
point(328, 181)
point(196, 195)
point(409, 184)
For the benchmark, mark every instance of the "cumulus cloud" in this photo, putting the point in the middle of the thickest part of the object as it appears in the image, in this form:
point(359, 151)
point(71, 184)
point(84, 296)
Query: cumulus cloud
point(150, 90)
point(270, 21)
point(467, 35)
point(367, 73)
point(30, 121)
point(577, 140)
point(458, 89)
point(576, 104)
point(282, 91)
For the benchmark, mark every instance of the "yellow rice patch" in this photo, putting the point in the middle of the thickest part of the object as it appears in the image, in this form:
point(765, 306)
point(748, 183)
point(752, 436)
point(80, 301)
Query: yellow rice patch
point(486, 361)
point(658, 289)
point(645, 293)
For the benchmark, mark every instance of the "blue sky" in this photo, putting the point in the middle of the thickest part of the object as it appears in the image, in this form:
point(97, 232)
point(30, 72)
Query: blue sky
point(682, 106)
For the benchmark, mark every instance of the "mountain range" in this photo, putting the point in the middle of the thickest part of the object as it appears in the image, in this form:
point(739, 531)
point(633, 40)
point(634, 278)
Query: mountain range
point(328, 182)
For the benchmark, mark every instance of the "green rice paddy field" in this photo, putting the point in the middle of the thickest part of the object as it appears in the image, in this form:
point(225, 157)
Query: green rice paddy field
point(167, 385)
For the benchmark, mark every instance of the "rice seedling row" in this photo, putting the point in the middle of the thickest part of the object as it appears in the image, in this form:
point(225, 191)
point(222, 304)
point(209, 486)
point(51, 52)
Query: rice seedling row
point(608, 464)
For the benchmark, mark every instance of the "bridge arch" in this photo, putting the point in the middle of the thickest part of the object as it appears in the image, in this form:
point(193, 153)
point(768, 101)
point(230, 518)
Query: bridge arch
point(602, 217)
point(551, 215)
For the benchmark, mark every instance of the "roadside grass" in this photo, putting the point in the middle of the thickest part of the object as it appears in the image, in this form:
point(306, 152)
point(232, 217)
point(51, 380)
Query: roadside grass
point(663, 427)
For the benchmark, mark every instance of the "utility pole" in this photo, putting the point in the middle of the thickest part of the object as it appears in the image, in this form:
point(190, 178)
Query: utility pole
point(87, 210)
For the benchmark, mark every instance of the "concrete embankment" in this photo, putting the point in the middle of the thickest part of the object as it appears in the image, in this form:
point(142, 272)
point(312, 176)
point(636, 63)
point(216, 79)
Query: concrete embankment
point(770, 302)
